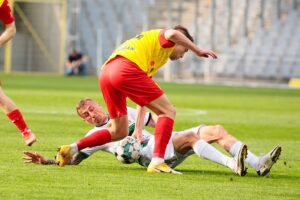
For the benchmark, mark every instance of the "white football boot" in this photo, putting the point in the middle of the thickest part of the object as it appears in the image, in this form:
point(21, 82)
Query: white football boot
point(240, 168)
point(267, 161)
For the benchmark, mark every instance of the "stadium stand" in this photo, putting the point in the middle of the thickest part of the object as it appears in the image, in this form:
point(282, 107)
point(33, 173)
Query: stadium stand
point(36, 44)
point(269, 50)
point(257, 39)
point(271, 53)
point(102, 29)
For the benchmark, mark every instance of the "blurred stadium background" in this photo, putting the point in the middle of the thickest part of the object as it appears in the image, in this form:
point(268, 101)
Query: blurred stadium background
point(257, 40)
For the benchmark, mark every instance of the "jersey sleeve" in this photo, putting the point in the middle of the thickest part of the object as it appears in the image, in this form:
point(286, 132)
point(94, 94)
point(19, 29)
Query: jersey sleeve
point(5, 13)
point(163, 41)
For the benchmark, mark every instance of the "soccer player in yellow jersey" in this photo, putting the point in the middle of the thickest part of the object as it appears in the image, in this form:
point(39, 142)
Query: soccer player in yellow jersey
point(127, 73)
point(6, 104)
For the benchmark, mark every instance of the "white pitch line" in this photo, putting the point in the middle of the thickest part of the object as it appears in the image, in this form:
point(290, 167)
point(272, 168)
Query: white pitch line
point(185, 112)
point(52, 112)
point(181, 112)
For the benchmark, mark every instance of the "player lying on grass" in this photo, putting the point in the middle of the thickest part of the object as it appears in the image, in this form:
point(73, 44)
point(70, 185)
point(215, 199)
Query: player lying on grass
point(195, 140)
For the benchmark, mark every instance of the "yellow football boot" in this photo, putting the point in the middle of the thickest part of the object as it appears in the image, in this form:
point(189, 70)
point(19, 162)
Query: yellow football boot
point(63, 155)
point(162, 167)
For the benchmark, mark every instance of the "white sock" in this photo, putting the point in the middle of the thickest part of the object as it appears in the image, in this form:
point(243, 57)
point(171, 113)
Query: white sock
point(235, 148)
point(207, 151)
point(157, 161)
point(251, 159)
point(74, 148)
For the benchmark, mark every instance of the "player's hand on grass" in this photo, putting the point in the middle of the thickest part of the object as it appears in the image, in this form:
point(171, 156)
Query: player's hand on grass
point(137, 134)
point(206, 53)
point(34, 157)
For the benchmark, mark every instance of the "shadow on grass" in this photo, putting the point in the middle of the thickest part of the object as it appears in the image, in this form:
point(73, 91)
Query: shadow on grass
point(135, 168)
point(224, 173)
point(248, 175)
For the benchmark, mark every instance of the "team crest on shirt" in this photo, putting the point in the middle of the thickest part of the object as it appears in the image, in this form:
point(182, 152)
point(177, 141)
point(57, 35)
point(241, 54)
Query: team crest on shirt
point(126, 48)
point(140, 36)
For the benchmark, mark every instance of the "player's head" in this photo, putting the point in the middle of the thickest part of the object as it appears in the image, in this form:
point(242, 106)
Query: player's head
point(91, 112)
point(180, 50)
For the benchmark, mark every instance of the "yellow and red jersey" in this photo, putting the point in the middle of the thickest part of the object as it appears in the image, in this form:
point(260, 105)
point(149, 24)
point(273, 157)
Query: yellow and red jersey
point(5, 13)
point(149, 50)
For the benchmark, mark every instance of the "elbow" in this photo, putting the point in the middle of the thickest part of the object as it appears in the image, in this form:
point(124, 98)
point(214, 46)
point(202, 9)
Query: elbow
point(172, 35)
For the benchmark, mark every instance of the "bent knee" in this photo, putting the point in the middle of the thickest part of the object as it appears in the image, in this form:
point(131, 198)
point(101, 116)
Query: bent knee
point(191, 138)
point(219, 132)
point(118, 134)
point(171, 111)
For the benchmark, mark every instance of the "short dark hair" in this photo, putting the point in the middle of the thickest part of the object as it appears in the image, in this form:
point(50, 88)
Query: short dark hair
point(184, 31)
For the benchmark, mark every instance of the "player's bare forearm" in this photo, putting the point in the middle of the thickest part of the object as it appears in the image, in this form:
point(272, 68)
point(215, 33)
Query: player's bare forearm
point(50, 162)
point(140, 115)
point(179, 38)
point(139, 122)
point(9, 32)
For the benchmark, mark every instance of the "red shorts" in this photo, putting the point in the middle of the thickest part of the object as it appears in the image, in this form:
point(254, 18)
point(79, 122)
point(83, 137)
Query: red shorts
point(121, 78)
point(5, 13)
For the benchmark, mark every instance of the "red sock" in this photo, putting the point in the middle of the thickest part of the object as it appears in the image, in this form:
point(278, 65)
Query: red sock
point(95, 139)
point(16, 117)
point(163, 132)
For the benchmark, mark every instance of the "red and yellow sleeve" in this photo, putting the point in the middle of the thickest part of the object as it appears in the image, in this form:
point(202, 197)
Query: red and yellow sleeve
point(5, 13)
point(164, 43)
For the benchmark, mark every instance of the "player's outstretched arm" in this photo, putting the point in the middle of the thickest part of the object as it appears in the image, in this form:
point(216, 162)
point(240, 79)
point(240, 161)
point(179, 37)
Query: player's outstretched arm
point(10, 31)
point(179, 38)
point(36, 158)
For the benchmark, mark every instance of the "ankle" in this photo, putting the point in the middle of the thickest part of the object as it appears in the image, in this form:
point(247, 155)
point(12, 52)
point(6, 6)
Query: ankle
point(26, 132)
point(157, 161)
point(74, 148)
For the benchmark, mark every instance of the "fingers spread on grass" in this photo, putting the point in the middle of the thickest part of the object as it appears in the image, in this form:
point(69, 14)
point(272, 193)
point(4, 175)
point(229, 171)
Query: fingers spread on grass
point(27, 159)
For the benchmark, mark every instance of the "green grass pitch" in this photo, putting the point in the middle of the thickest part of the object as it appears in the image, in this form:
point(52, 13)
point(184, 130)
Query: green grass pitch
point(261, 117)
